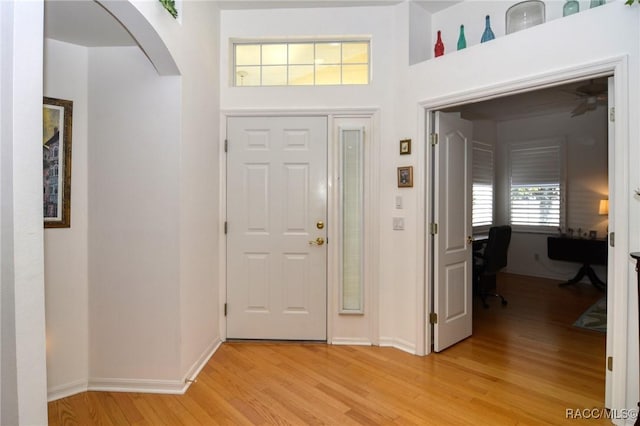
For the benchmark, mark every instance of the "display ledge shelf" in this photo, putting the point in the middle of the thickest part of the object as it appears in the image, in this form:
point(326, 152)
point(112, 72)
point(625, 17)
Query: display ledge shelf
point(473, 14)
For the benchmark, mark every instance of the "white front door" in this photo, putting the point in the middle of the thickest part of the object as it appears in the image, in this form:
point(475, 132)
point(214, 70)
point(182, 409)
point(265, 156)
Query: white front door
point(453, 265)
point(276, 251)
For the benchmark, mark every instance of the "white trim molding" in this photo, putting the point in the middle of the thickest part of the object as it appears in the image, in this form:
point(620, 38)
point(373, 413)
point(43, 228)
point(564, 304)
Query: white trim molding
point(400, 344)
point(108, 384)
point(351, 341)
point(68, 389)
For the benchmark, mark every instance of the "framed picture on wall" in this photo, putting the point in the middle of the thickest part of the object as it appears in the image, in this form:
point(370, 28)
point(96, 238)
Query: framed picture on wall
point(405, 177)
point(405, 147)
point(57, 116)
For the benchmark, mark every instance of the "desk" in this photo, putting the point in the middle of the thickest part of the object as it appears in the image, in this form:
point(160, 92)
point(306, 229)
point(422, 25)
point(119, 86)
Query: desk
point(580, 250)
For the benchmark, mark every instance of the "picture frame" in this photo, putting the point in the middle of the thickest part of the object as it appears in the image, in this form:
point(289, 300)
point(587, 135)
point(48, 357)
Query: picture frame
point(57, 122)
point(405, 177)
point(593, 235)
point(405, 147)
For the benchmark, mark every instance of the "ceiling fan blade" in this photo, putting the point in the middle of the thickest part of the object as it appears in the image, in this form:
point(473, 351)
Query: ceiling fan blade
point(580, 109)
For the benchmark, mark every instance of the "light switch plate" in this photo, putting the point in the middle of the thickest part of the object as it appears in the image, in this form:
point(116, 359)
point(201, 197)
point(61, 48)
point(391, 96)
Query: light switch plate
point(398, 201)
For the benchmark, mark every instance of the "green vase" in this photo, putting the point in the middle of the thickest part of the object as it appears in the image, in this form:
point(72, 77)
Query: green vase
point(570, 7)
point(462, 41)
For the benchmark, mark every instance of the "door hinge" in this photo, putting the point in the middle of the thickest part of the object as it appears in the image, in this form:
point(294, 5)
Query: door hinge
point(433, 318)
point(612, 114)
point(433, 228)
point(610, 363)
point(612, 239)
point(433, 137)
point(225, 227)
point(226, 145)
point(225, 309)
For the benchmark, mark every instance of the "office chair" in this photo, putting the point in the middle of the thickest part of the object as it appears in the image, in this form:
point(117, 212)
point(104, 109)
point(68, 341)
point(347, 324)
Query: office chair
point(487, 263)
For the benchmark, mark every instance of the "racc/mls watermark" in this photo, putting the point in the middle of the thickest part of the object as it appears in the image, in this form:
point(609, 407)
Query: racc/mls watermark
point(601, 413)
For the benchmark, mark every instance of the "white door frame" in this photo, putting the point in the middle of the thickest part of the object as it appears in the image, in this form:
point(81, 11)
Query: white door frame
point(371, 262)
point(619, 194)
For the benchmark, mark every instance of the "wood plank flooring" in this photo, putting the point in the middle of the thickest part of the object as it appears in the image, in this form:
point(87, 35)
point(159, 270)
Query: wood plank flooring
point(525, 364)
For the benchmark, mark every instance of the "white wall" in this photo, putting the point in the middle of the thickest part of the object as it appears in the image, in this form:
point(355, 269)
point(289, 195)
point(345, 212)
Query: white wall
point(200, 222)
point(534, 53)
point(22, 331)
point(167, 218)
point(66, 276)
point(587, 183)
point(132, 287)
point(133, 240)
point(193, 44)
point(380, 24)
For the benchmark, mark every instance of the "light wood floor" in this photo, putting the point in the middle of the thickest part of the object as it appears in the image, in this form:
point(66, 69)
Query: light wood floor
point(524, 364)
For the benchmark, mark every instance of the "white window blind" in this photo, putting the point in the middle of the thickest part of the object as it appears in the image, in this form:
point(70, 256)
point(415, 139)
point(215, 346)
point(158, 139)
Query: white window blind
point(537, 184)
point(482, 216)
point(352, 224)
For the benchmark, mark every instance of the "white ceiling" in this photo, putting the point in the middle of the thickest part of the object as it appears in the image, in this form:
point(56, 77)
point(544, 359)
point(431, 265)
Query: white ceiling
point(552, 100)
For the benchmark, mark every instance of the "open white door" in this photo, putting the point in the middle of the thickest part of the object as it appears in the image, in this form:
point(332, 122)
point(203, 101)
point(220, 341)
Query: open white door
point(452, 262)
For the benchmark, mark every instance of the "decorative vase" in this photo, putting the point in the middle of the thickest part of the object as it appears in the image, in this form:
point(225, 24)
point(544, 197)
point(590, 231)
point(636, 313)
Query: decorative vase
point(524, 15)
point(596, 3)
point(439, 47)
point(462, 41)
point(488, 33)
point(570, 7)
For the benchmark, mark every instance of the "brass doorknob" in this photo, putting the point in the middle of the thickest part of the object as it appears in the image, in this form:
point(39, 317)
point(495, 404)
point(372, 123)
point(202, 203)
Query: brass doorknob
point(317, 242)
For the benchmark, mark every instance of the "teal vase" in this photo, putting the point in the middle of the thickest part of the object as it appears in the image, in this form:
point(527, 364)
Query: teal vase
point(462, 41)
point(488, 32)
point(570, 7)
point(596, 3)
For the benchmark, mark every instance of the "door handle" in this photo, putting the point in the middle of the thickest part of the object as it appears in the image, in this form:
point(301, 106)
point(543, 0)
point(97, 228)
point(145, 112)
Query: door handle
point(469, 240)
point(317, 242)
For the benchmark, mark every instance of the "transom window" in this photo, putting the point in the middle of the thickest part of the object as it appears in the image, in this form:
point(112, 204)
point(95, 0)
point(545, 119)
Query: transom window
point(305, 63)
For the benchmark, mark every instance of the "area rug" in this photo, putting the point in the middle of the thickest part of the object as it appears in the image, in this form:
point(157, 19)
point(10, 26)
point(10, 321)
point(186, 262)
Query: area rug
point(594, 318)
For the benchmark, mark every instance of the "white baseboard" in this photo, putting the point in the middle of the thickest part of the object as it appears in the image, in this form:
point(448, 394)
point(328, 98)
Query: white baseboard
point(136, 385)
point(106, 384)
point(68, 389)
point(399, 344)
point(197, 366)
point(355, 341)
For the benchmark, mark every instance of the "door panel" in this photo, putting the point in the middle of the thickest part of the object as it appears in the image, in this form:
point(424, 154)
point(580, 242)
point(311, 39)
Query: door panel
point(452, 264)
point(276, 192)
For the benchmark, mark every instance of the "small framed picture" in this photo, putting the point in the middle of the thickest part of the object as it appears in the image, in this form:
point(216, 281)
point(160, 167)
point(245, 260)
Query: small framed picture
point(57, 117)
point(405, 147)
point(593, 234)
point(405, 177)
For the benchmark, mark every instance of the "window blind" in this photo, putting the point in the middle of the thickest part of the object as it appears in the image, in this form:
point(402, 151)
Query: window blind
point(482, 190)
point(536, 188)
point(352, 225)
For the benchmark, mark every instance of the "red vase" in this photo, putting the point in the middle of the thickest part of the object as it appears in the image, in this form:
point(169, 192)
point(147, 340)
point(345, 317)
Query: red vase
point(439, 49)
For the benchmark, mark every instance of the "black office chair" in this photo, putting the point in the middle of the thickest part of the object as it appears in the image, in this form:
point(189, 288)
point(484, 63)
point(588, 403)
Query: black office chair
point(487, 263)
